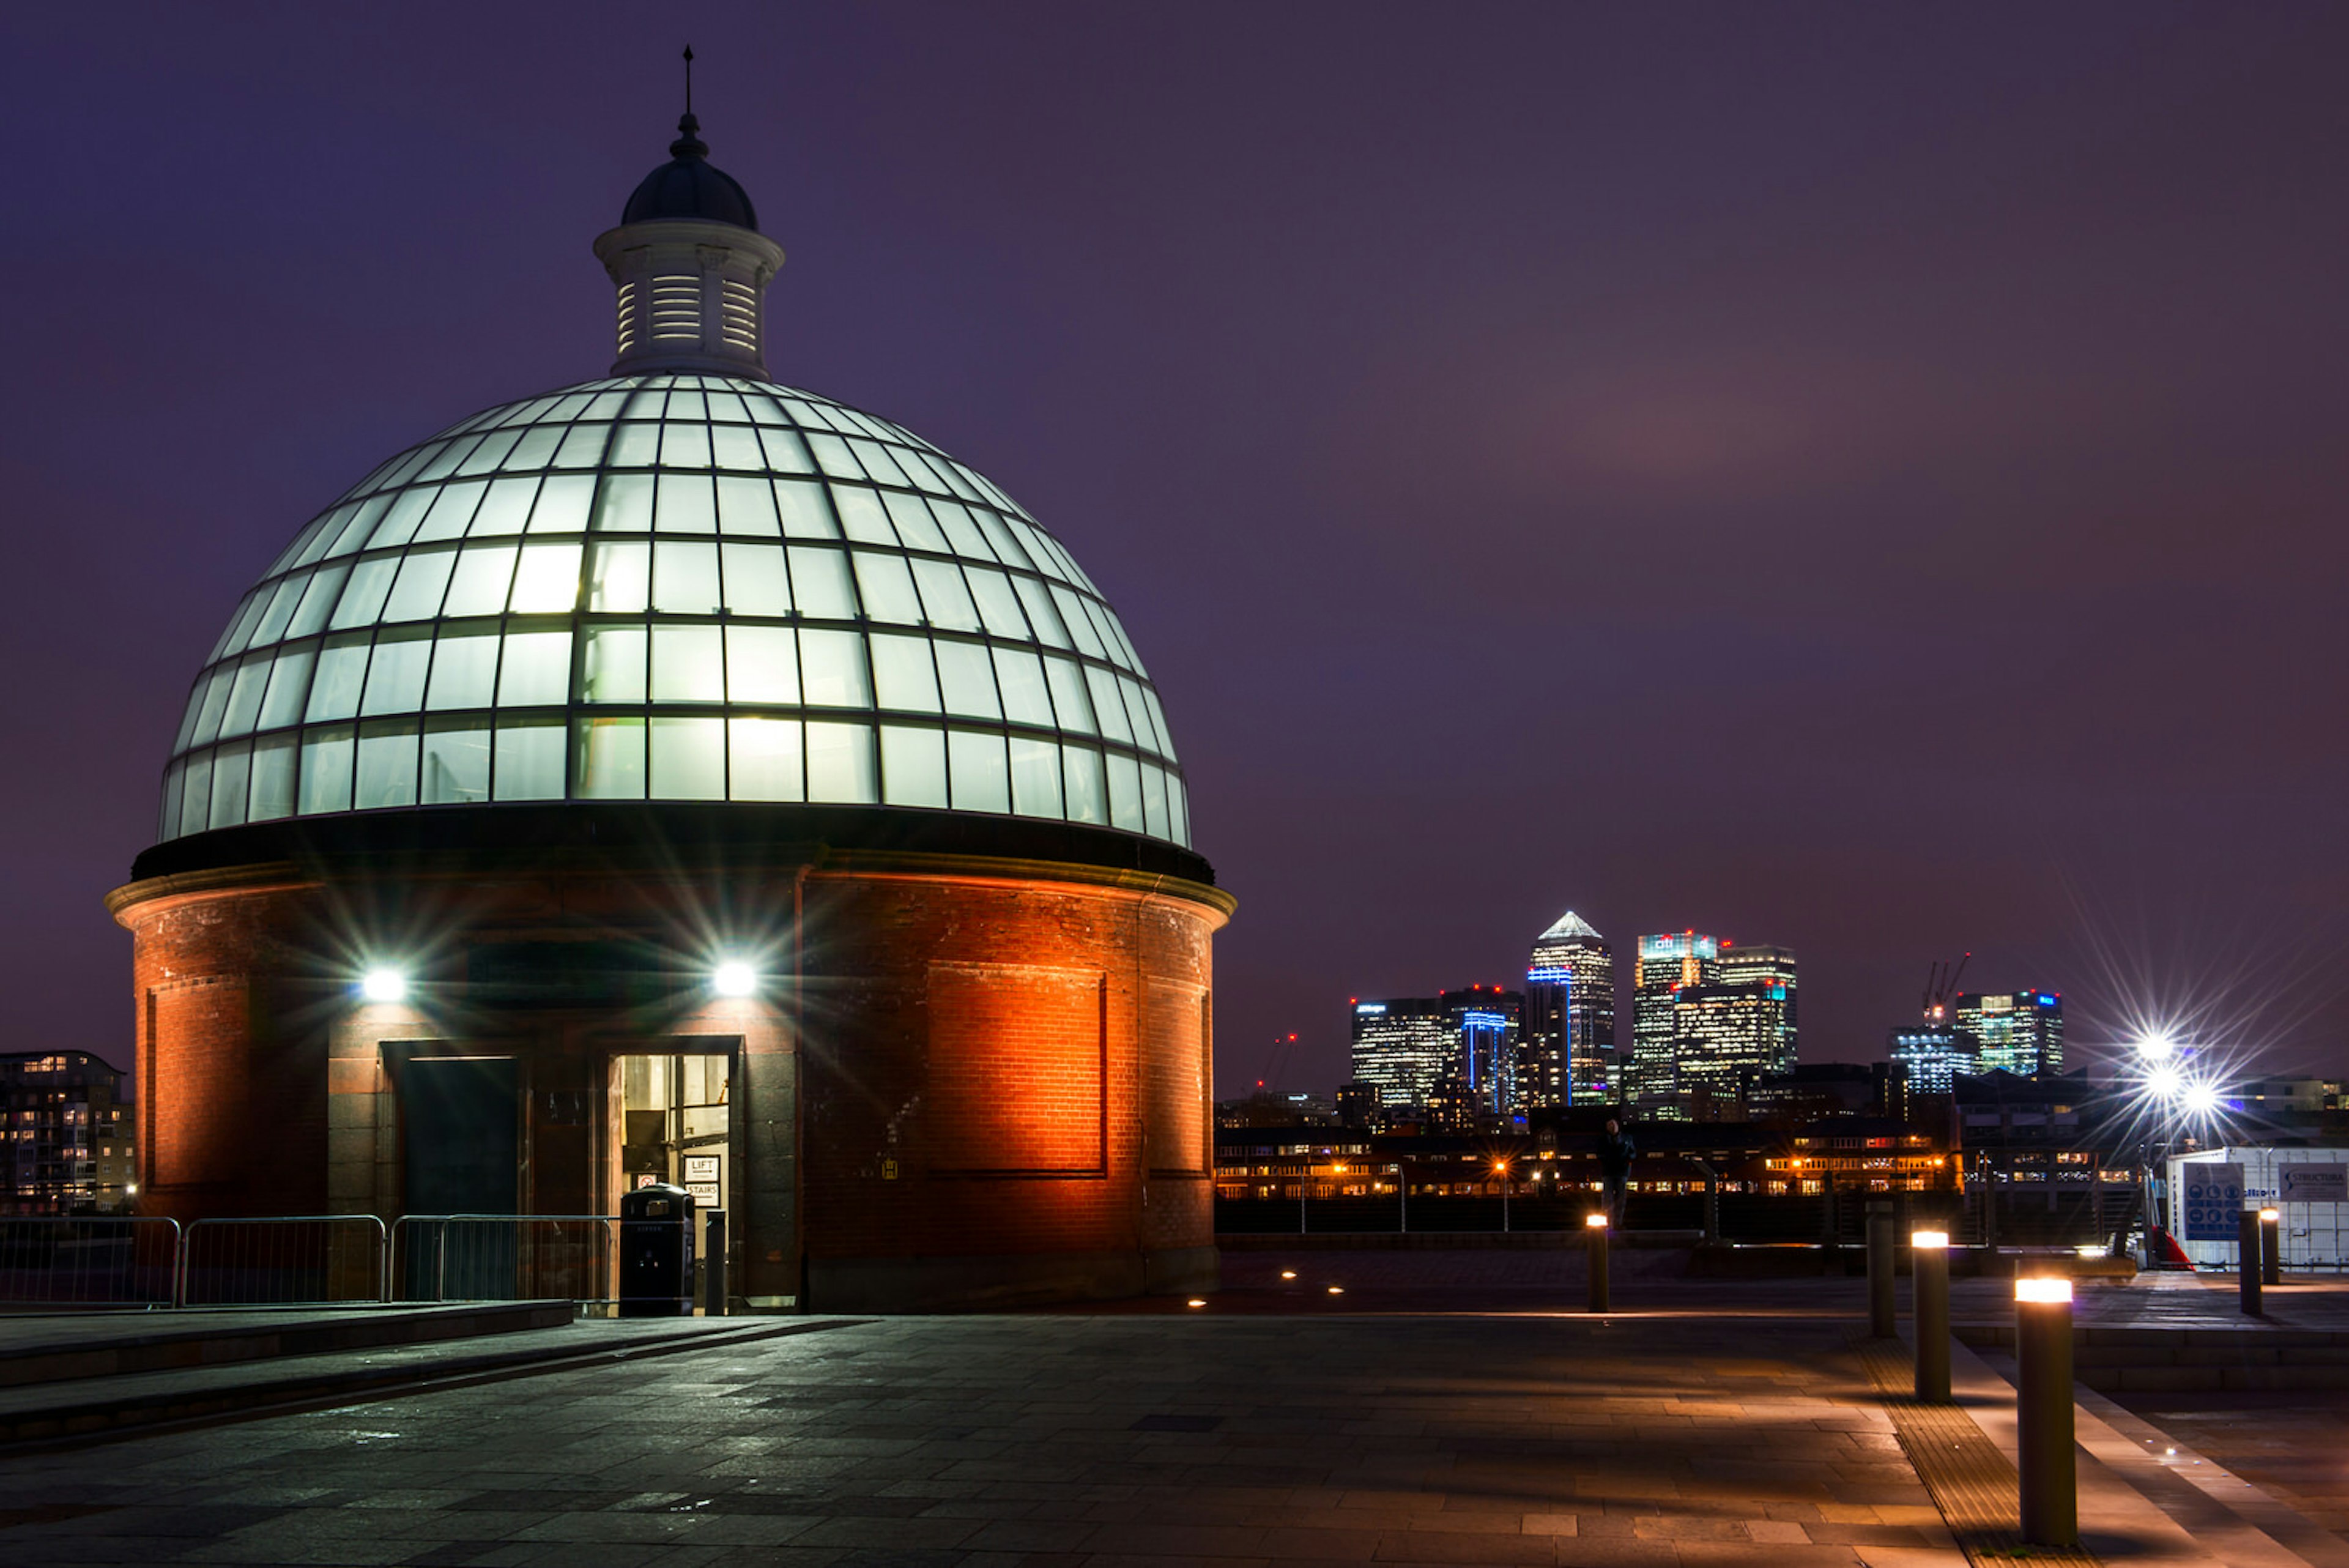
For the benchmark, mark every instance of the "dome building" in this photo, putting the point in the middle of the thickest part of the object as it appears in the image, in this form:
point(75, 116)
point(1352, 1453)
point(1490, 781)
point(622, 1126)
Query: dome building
point(679, 775)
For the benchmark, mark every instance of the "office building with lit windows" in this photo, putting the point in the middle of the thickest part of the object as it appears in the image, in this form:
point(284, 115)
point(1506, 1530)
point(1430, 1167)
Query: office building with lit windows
point(1766, 964)
point(1725, 1036)
point(66, 1134)
point(1486, 1025)
point(1401, 1046)
point(1568, 1055)
point(1665, 963)
point(680, 775)
point(2015, 1032)
point(1933, 1054)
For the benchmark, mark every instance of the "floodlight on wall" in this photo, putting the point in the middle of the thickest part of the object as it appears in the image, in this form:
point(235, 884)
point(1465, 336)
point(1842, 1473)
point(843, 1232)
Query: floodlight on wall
point(734, 978)
point(384, 985)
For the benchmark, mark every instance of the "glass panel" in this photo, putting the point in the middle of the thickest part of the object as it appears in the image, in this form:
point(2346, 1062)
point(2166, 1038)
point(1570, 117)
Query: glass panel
point(1116, 629)
point(903, 678)
point(1081, 769)
point(1137, 714)
point(688, 664)
point(806, 514)
point(484, 574)
point(763, 759)
point(464, 670)
point(447, 459)
point(1020, 676)
point(350, 540)
point(685, 445)
point(583, 446)
point(998, 607)
point(272, 625)
point(1069, 699)
point(687, 404)
point(273, 778)
point(215, 703)
point(967, 679)
point(1035, 777)
point(1107, 709)
point(763, 664)
point(504, 509)
point(876, 458)
point(861, 517)
point(888, 588)
point(687, 505)
point(914, 523)
point(289, 683)
point(736, 446)
point(386, 772)
point(747, 506)
point(619, 579)
point(913, 766)
point(1179, 809)
point(1106, 628)
point(820, 585)
point(245, 697)
point(489, 453)
point(167, 822)
point(533, 450)
point(455, 761)
point(310, 618)
point(608, 759)
point(1153, 802)
point(1040, 613)
point(685, 578)
point(786, 453)
point(342, 671)
point(840, 764)
point(832, 455)
point(194, 711)
point(423, 580)
point(396, 678)
point(362, 601)
point(961, 531)
point(724, 407)
point(529, 759)
point(1125, 793)
point(564, 503)
point(623, 503)
point(547, 581)
point(1080, 625)
point(755, 581)
point(536, 671)
point(196, 795)
point(688, 759)
point(451, 512)
point(614, 666)
point(1158, 719)
point(982, 782)
point(635, 445)
point(944, 596)
point(232, 768)
point(398, 525)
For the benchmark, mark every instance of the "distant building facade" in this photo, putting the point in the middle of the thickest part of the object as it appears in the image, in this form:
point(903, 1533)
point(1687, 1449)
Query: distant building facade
point(1767, 964)
point(69, 1146)
point(1723, 1036)
point(1666, 962)
point(1401, 1046)
point(1569, 1017)
point(1486, 1025)
point(1933, 1053)
point(2013, 1031)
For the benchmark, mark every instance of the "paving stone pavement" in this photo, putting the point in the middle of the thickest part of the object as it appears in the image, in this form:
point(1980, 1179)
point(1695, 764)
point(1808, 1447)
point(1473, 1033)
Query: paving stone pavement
point(1113, 1441)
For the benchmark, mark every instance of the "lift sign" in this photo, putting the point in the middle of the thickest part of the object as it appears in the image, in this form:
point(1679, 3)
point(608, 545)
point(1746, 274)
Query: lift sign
point(2214, 1200)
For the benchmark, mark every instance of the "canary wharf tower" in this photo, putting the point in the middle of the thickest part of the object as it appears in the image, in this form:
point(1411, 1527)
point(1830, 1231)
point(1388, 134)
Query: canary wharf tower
point(680, 775)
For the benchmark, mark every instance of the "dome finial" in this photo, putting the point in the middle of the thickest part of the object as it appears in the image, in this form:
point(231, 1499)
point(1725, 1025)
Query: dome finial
point(688, 142)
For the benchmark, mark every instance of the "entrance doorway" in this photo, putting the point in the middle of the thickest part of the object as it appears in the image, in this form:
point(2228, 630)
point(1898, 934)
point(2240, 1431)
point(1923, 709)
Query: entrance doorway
point(672, 1114)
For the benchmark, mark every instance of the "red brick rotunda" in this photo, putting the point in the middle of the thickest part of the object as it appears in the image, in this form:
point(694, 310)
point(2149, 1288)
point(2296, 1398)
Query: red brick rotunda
point(678, 776)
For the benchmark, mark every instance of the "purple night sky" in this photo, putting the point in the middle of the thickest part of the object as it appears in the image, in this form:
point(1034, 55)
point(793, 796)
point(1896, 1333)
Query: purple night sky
point(1865, 478)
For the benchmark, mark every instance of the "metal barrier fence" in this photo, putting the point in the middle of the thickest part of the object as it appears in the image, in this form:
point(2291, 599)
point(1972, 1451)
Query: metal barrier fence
point(501, 1257)
point(302, 1260)
point(89, 1260)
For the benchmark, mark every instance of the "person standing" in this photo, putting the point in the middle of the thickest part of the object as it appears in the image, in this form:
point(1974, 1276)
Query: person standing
point(1616, 1152)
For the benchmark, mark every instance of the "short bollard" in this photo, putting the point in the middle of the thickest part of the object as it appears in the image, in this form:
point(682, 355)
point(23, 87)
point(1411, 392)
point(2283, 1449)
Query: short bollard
point(2271, 1247)
point(2247, 1260)
point(1881, 1265)
point(1929, 1269)
point(1594, 1230)
point(2043, 1353)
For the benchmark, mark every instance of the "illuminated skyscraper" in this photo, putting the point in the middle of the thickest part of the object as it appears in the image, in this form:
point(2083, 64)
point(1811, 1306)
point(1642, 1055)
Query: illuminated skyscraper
point(1766, 964)
point(1485, 1023)
point(1725, 1036)
point(1568, 1055)
point(1401, 1045)
point(1933, 1051)
point(2021, 1032)
point(1665, 963)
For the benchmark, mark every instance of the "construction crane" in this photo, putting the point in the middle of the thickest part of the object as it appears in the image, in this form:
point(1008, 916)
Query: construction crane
point(1282, 1050)
point(1941, 985)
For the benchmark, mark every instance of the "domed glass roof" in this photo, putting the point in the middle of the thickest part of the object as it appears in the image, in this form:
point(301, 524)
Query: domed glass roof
point(675, 587)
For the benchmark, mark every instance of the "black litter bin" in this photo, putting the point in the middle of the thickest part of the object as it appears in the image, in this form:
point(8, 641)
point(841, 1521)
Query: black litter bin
point(657, 1252)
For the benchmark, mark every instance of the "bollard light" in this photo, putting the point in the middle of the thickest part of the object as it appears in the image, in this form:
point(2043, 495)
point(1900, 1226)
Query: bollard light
point(2045, 1467)
point(1594, 1230)
point(2271, 1247)
point(1595, 1222)
point(384, 985)
point(1928, 1273)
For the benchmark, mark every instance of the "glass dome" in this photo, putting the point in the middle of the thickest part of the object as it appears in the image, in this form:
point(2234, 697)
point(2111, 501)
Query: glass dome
point(675, 587)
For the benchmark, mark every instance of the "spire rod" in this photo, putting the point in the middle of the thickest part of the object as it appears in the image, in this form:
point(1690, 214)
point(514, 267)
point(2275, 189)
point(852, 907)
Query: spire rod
point(689, 78)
